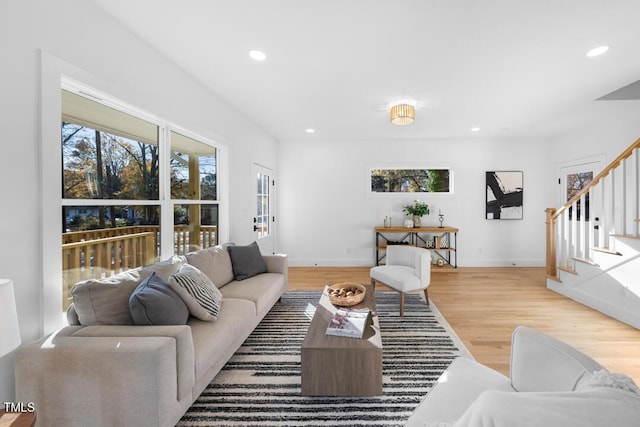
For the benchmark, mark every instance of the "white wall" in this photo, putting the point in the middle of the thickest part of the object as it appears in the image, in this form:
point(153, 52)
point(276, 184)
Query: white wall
point(79, 34)
point(327, 218)
point(604, 127)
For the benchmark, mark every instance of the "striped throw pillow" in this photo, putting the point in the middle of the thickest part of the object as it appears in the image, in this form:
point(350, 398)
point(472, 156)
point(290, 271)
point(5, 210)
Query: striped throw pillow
point(197, 291)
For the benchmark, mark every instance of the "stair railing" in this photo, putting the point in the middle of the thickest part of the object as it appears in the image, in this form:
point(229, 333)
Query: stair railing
point(608, 206)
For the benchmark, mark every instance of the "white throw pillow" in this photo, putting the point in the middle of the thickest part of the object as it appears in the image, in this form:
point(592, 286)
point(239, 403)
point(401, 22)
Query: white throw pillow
point(198, 292)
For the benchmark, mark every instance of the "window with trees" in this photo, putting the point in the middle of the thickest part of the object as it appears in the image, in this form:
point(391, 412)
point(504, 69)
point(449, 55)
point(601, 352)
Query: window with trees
point(193, 193)
point(405, 180)
point(114, 161)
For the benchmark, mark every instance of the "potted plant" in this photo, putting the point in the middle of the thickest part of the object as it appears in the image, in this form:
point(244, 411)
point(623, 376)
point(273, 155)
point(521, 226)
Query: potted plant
point(418, 209)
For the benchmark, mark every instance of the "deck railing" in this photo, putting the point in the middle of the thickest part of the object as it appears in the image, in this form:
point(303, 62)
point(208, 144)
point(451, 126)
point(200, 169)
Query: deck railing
point(608, 206)
point(186, 240)
point(103, 233)
point(101, 253)
point(105, 256)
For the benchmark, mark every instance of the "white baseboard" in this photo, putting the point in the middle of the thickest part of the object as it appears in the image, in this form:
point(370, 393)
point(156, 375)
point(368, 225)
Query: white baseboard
point(503, 263)
point(293, 262)
point(575, 293)
point(330, 263)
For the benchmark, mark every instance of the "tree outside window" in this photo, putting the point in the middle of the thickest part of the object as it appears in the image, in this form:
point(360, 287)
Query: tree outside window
point(410, 180)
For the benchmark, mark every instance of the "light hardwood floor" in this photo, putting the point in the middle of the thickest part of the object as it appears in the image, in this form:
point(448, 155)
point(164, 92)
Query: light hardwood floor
point(484, 305)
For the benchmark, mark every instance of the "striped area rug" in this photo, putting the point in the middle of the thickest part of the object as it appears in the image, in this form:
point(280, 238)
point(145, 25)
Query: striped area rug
point(260, 385)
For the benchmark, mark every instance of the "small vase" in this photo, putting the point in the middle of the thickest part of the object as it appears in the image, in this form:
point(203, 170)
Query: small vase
point(417, 221)
point(408, 223)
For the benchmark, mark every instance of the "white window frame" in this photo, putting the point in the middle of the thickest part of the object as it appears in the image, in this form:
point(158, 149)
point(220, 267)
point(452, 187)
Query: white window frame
point(55, 76)
point(167, 241)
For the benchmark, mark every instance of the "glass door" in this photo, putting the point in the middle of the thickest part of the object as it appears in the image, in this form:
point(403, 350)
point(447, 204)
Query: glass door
point(263, 220)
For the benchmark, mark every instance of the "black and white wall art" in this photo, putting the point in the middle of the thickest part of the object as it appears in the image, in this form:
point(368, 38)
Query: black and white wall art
point(504, 195)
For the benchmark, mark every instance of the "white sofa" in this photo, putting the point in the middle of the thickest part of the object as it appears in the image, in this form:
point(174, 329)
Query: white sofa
point(105, 371)
point(551, 384)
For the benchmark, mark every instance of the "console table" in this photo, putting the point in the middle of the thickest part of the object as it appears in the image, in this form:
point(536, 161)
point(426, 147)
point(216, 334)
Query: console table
point(442, 241)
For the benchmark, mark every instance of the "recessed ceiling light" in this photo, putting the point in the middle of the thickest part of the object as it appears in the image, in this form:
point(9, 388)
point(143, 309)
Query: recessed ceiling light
point(475, 129)
point(597, 51)
point(309, 130)
point(257, 55)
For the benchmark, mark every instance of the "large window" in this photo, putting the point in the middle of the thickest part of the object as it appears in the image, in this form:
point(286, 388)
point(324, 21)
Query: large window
point(194, 193)
point(115, 211)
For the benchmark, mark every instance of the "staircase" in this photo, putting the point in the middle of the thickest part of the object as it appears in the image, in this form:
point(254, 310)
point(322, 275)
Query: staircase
point(593, 241)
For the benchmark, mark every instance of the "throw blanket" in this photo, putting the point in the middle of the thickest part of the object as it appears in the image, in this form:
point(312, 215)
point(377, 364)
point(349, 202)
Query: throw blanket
point(604, 400)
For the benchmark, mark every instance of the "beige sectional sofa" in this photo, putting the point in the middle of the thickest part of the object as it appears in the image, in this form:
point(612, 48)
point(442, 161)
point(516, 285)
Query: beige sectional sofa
point(102, 370)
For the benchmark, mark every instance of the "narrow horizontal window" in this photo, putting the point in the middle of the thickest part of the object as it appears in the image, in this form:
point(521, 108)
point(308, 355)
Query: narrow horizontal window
point(392, 180)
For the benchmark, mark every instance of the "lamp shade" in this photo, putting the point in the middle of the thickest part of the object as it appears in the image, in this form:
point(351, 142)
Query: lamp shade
point(9, 329)
point(402, 114)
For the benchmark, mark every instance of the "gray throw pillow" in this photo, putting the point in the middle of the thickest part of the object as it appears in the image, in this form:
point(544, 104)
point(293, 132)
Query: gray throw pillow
point(155, 303)
point(246, 261)
point(197, 291)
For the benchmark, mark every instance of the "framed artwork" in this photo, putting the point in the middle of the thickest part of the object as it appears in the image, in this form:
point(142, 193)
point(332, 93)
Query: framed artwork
point(504, 195)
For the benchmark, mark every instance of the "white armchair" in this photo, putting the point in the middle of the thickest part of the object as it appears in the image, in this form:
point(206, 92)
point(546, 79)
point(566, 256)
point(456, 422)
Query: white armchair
point(408, 268)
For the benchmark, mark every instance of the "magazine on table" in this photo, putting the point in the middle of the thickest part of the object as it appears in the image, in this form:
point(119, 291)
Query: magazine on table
point(348, 322)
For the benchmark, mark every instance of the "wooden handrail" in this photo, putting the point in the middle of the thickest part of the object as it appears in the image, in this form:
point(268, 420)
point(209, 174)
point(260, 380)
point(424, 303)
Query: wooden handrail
point(102, 233)
point(578, 234)
point(104, 240)
point(614, 164)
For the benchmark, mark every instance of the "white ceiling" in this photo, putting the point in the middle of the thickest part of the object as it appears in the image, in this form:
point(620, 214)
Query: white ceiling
point(510, 67)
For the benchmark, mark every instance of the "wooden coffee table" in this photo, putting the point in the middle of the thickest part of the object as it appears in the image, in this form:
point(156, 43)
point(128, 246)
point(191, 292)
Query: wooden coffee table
point(340, 366)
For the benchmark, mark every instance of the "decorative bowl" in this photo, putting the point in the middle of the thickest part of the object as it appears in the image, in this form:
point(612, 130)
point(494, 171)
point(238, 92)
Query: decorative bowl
point(346, 294)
